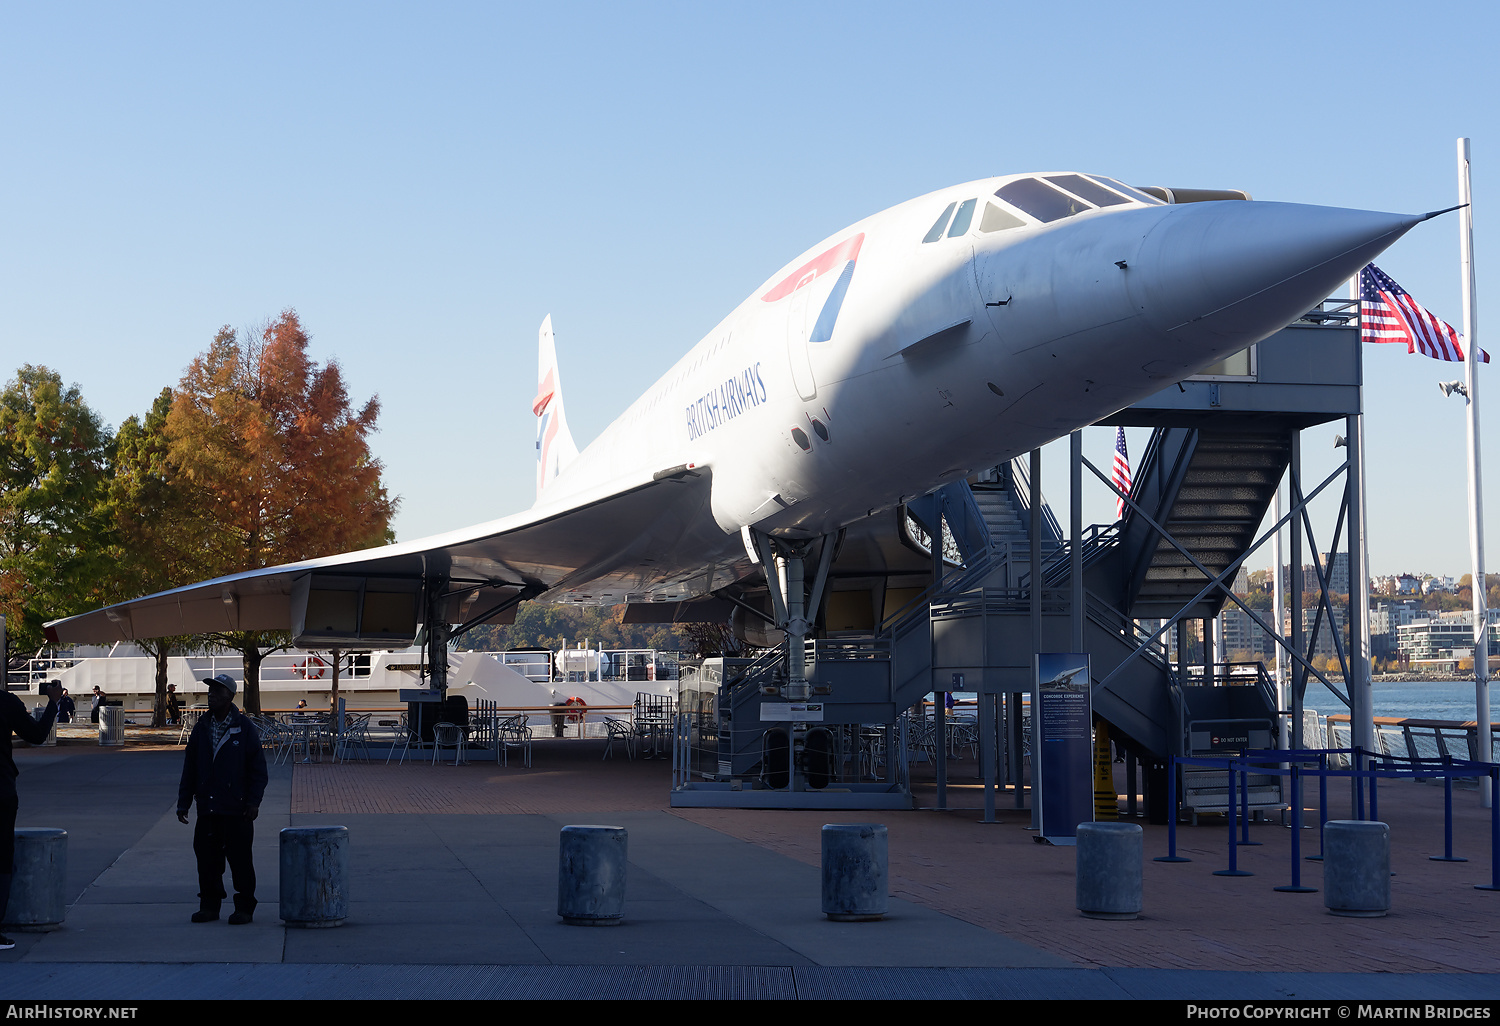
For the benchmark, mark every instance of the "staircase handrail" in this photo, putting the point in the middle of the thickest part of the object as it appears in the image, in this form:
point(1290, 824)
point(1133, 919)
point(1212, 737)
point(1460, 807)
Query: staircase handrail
point(951, 582)
point(1107, 616)
point(1020, 482)
point(749, 675)
point(1098, 539)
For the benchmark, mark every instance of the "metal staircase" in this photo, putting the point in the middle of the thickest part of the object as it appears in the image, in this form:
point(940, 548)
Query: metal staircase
point(1210, 490)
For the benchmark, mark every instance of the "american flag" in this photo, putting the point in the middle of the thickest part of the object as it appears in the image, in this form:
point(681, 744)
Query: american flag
point(1121, 475)
point(1388, 314)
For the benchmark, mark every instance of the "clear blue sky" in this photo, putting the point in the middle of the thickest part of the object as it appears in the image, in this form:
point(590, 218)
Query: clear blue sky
point(425, 182)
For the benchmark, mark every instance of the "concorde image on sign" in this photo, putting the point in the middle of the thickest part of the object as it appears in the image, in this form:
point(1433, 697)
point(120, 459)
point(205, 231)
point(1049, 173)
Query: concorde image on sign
point(920, 345)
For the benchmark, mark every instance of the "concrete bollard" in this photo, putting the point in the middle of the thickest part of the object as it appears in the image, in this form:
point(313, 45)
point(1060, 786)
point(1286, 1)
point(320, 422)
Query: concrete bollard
point(591, 875)
point(314, 876)
point(856, 872)
point(1357, 868)
point(1109, 870)
point(38, 885)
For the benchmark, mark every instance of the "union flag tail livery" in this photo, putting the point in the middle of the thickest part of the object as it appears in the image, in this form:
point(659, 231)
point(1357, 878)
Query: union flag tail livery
point(554, 442)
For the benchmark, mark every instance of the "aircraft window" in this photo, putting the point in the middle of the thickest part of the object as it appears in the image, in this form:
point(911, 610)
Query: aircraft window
point(1134, 194)
point(936, 231)
point(1081, 186)
point(997, 220)
point(1040, 200)
point(962, 218)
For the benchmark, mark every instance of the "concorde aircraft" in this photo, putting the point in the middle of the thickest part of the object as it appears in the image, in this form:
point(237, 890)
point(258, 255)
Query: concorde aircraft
point(913, 348)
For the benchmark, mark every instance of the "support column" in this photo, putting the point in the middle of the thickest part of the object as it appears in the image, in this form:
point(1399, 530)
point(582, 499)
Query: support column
point(939, 705)
point(790, 570)
point(1278, 593)
point(436, 623)
point(1183, 677)
point(987, 750)
point(1294, 585)
point(1036, 618)
point(1207, 627)
point(1075, 530)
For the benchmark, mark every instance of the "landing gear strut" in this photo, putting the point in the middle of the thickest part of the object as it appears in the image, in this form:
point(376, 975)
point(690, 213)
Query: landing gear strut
point(795, 611)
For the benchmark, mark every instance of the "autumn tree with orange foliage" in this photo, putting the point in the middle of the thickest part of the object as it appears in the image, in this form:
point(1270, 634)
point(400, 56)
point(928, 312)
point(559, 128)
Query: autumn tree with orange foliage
point(278, 457)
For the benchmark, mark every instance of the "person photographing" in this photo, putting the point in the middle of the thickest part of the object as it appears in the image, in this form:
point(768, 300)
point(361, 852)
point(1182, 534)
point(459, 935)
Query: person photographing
point(17, 721)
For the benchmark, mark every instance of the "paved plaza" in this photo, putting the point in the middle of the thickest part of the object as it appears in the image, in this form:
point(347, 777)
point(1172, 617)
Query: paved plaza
point(454, 884)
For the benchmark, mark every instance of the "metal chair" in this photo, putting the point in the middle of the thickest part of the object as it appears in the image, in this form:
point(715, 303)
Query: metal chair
point(514, 733)
point(619, 730)
point(410, 740)
point(354, 738)
point(278, 737)
point(449, 735)
point(189, 720)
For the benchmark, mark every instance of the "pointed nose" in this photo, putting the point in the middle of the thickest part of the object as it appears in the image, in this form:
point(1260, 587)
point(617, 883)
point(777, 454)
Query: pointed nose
point(1226, 274)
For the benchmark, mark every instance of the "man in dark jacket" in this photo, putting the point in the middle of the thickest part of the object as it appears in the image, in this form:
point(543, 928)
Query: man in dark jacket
point(225, 770)
point(15, 718)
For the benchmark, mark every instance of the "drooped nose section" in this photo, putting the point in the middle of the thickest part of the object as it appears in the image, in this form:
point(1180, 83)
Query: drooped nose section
point(1226, 274)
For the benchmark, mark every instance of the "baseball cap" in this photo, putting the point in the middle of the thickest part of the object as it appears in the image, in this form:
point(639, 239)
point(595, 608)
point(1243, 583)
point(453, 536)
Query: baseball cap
point(224, 680)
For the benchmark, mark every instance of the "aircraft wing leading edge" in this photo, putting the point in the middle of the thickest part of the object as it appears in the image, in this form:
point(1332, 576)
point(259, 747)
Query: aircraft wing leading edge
point(631, 533)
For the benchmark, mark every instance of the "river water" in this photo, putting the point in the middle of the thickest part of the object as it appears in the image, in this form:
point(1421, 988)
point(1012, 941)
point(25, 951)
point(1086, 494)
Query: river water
point(1427, 700)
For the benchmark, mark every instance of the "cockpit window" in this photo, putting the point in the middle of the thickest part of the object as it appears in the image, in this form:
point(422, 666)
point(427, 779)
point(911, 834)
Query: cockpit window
point(997, 220)
point(962, 218)
point(1088, 189)
point(1134, 194)
point(1040, 200)
point(936, 231)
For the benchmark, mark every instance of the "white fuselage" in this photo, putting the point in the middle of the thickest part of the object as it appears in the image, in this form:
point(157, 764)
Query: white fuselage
point(918, 346)
point(1031, 330)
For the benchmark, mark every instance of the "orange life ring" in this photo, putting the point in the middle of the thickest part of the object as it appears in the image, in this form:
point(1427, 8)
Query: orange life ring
point(312, 668)
point(580, 708)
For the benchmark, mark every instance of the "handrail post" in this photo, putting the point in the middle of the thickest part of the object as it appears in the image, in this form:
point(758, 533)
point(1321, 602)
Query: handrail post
point(1296, 885)
point(1447, 855)
point(1171, 855)
point(1233, 869)
point(1494, 884)
point(1322, 804)
point(1245, 805)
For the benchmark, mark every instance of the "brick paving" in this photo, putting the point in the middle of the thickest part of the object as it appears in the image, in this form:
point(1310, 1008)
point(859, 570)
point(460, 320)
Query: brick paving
point(995, 875)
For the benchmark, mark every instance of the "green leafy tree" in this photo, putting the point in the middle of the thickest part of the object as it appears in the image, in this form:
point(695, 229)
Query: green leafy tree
point(54, 465)
point(160, 533)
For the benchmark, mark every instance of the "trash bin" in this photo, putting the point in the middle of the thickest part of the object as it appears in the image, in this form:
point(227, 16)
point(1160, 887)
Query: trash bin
point(36, 714)
point(112, 724)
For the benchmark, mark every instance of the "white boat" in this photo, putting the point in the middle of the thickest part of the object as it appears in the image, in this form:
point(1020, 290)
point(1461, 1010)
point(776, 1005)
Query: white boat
point(605, 681)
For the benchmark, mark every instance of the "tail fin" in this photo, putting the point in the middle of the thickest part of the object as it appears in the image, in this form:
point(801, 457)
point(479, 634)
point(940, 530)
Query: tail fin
point(554, 442)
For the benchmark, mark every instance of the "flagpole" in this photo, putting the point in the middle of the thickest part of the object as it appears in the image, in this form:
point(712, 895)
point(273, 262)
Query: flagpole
point(1476, 491)
point(1361, 691)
